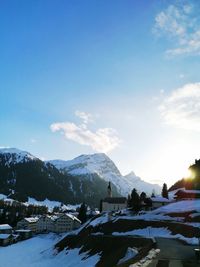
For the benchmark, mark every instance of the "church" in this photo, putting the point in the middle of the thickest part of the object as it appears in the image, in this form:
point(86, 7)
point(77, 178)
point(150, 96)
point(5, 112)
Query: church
point(112, 203)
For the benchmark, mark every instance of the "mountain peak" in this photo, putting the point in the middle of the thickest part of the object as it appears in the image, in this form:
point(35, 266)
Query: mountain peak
point(14, 155)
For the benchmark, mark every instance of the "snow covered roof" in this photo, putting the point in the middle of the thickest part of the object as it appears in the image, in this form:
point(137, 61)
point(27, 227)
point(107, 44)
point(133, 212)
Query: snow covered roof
point(23, 231)
point(4, 236)
point(31, 219)
point(160, 199)
point(73, 217)
point(5, 227)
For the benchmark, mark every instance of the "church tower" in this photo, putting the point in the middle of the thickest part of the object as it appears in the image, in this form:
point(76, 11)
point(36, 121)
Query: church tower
point(109, 190)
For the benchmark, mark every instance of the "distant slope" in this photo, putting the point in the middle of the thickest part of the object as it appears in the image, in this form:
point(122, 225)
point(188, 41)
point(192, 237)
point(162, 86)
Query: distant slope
point(99, 164)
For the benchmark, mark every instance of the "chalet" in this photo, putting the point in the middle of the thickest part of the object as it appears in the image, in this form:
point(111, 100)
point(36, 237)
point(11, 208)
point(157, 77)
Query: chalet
point(28, 224)
point(113, 203)
point(159, 201)
point(184, 194)
point(5, 229)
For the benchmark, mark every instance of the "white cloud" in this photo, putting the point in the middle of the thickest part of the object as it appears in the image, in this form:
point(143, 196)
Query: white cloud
point(86, 117)
point(101, 140)
point(182, 107)
point(181, 23)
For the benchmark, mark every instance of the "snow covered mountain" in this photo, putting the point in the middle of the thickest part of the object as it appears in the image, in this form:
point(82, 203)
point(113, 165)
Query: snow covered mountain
point(23, 176)
point(15, 156)
point(134, 181)
point(100, 164)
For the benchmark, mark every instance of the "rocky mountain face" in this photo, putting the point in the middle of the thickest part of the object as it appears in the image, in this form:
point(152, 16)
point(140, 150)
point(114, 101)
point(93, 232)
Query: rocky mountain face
point(84, 178)
point(87, 166)
point(23, 175)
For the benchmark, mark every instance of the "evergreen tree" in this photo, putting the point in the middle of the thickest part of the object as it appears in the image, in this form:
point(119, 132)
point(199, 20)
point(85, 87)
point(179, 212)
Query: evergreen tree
point(143, 196)
point(164, 191)
point(135, 200)
point(82, 216)
point(129, 201)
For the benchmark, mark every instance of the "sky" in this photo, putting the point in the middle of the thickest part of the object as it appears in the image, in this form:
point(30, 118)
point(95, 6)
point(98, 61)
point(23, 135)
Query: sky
point(118, 77)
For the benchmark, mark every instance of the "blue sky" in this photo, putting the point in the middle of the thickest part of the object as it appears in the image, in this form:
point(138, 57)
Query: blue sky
point(120, 77)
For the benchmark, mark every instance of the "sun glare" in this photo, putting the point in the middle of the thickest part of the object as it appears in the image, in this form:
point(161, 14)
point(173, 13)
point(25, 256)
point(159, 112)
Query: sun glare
point(189, 174)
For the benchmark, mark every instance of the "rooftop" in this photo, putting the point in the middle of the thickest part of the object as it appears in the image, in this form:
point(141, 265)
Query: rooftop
point(5, 227)
point(115, 200)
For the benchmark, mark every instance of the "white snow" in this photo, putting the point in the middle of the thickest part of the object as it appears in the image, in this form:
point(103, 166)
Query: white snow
point(5, 227)
point(104, 167)
point(38, 252)
point(130, 253)
point(100, 220)
point(157, 232)
point(160, 199)
point(14, 155)
point(180, 206)
point(31, 219)
point(50, 204)
point(4, 236)
point(2, 196)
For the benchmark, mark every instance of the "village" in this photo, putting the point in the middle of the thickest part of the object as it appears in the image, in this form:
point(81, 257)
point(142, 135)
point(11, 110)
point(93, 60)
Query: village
point(64, 222)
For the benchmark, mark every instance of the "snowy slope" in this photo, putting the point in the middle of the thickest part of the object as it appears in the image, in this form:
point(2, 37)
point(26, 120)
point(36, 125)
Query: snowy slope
point(103, 166)
point(14, 156)
point(38, 252)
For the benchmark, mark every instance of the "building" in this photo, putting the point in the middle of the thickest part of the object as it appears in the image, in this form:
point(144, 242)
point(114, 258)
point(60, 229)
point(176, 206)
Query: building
point(184, 194)
point(6, 239)
point(5, 229)
point(66, 222)
point(24, 234)
point(58, 223)
point(159, 201)
point(28, 224)
point(112, 203)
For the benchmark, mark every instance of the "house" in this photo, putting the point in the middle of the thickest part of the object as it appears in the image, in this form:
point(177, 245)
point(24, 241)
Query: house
point(159, 201)
point(24, 234)
point(5, 229)
point(112, 203)
point(28, 224)
point(184, 194)
point(6, 239)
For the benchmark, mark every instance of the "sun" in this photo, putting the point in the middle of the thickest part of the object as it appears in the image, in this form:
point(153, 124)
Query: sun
point(189, 174)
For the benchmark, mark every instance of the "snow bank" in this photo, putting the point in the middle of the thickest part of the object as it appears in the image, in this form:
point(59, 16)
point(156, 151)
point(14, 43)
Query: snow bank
point(180, 206)
point(38, 252)
point(158, 232)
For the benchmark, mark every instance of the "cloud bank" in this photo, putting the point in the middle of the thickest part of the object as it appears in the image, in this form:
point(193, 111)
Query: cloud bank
point(181, 24)
point(182, 108)
point(101, 140)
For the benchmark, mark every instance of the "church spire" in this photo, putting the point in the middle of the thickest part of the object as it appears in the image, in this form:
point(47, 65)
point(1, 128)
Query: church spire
point(109, 190)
